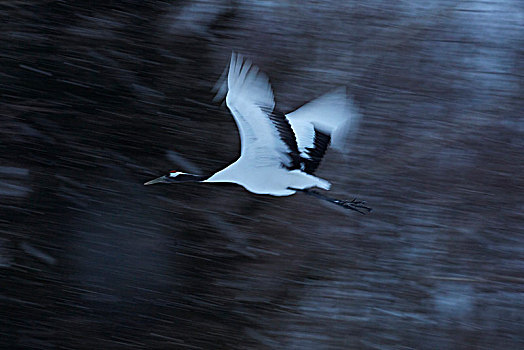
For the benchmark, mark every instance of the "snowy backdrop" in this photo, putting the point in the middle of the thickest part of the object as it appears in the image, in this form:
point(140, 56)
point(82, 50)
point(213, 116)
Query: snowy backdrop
point(98, 97)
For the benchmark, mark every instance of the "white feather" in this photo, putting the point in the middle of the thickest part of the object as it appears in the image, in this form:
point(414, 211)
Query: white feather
point(332, 113)
point(259, 168)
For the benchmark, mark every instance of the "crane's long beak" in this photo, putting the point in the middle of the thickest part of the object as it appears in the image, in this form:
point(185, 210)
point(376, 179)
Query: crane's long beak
point(161, 179)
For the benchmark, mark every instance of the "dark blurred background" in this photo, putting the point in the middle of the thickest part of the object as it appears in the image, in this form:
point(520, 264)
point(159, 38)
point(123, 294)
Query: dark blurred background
point(98, 97)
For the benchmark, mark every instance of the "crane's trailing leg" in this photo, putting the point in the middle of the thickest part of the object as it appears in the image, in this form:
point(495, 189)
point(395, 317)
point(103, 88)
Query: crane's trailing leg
point(353, 204)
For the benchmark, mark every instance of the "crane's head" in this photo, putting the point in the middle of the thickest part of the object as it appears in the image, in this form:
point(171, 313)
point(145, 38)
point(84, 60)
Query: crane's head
point(176, 177)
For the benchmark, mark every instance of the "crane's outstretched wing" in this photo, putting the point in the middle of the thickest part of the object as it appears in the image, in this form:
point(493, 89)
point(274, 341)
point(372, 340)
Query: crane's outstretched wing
point(327, 120)
point(266, 136)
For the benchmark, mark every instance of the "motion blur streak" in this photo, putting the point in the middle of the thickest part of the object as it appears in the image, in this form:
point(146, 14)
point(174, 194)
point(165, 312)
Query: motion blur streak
point(97, 98)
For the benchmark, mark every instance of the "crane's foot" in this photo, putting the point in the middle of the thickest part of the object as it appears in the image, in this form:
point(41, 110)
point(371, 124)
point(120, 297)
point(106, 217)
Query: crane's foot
point(354, 204)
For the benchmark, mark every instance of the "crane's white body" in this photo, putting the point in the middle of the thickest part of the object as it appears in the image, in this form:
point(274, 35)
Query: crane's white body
point(271, 180)
point(263, 153)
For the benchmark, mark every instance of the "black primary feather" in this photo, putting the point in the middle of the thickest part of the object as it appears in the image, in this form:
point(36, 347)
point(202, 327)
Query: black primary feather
point(315, 153)
point(280, 122)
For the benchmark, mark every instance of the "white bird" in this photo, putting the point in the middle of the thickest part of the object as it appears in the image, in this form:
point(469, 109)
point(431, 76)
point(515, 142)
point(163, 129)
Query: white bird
point(279, 152)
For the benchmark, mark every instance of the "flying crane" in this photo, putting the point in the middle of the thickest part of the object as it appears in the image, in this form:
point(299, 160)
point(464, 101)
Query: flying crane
point(279, 152)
